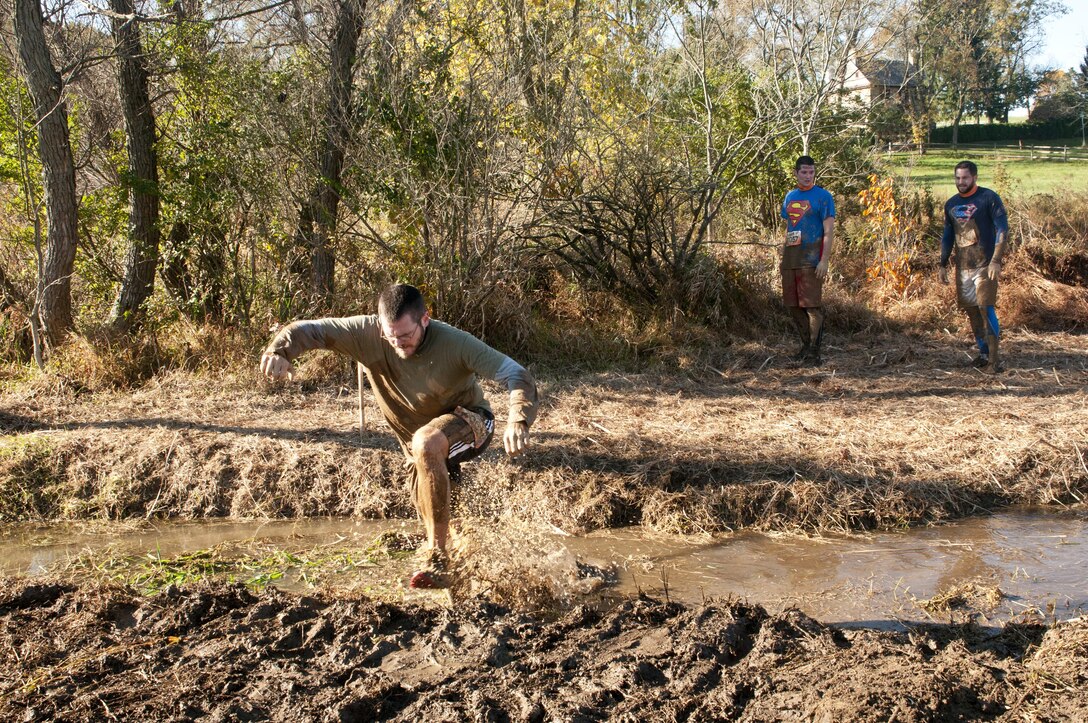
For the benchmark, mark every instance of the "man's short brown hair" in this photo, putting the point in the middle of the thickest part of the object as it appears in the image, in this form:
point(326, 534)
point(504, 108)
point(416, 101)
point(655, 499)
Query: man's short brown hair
point(968, 166)
point(400, 299)
point(804, 161)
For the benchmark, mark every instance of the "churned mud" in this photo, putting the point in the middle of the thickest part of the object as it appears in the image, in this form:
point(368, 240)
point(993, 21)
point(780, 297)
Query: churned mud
point(893, 430)
point(84, 652)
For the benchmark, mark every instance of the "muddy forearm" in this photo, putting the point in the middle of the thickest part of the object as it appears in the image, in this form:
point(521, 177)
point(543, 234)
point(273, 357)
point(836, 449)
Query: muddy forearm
point(948, 239)
point(999, 248)
point(1000, 220)
point(523, 394)
point(523, 406)
point(829, 239)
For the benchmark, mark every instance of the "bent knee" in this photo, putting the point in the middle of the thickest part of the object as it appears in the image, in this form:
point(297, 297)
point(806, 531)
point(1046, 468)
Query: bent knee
point(429, 443)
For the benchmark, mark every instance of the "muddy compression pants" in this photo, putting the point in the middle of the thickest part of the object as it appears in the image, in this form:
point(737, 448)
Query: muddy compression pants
point(986, 328)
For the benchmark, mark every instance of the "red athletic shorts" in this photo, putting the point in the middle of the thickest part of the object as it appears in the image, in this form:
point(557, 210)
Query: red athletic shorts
point(800, 287)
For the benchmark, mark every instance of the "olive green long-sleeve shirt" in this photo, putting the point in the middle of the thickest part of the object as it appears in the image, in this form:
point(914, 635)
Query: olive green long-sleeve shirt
point(440, 376)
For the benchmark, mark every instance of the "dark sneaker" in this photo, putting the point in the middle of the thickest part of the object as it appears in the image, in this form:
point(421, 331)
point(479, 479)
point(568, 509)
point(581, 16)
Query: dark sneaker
point(812, 360)
point(980, 361)
point(801, 354)
point(433, 571)
point(995, 368)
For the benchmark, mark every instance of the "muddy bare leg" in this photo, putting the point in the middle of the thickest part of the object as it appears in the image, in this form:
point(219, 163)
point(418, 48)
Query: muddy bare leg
point(815, 332)
point(801, 323)
point(429, 451)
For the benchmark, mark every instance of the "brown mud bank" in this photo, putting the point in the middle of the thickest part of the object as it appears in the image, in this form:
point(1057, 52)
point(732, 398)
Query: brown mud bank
point(71, 652)
point(893, 430)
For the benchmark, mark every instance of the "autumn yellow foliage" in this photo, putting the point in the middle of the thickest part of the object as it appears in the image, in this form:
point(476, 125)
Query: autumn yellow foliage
point(890, 231)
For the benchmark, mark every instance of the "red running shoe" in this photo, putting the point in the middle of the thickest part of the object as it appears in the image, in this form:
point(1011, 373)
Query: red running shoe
point(433, 573)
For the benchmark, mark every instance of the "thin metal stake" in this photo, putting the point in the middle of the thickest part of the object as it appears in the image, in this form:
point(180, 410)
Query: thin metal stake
point(360, 374)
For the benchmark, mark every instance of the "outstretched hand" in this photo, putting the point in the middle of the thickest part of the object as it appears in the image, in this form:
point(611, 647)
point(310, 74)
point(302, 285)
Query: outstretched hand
point(942, 274)
point(516, 438)
point(821, 269)
point(993, 271)
point(276, 367)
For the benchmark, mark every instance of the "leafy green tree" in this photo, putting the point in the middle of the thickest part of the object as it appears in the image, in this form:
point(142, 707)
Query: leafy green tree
point(972, 55)
point(1057, 98)
point(1080, 84)
point(467, 116)
point(20, 178)
point(1080, 80)
point(223, 153)
point(1015, 37)
point(953, 45)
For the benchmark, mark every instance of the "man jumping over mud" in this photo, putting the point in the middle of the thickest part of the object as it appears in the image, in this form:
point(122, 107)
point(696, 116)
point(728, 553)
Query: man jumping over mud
point(975, 224)
point(424, 376)
point(809, 212)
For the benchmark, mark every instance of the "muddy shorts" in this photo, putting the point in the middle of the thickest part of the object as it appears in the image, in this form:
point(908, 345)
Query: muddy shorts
point(800, 287)
point(469, 432)
point(974, 288)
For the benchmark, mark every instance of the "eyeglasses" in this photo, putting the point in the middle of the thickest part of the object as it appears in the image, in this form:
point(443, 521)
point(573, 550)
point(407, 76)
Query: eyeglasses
point(402, 338)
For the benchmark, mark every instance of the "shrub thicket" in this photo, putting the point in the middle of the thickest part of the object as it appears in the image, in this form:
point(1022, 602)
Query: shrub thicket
point(985, 132)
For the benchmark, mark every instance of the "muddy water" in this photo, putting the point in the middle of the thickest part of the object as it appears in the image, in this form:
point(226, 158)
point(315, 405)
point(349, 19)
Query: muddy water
point(34, 549)
point(1037, 559)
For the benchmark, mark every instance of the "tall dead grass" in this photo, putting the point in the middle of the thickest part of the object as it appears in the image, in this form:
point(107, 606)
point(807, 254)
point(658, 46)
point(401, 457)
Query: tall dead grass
point(682, 422)
point(878, 284)
point(1043, 284)
point(895, 430)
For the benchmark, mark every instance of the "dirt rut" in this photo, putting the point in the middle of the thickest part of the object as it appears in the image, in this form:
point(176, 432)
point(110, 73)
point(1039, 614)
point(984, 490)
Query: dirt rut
point(70, 652)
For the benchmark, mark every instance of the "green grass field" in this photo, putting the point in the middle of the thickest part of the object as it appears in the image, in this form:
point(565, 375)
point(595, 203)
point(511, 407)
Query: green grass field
point(1046, 173)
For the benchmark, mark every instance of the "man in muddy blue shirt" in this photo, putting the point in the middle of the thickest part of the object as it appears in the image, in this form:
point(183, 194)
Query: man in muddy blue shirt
point(809, 212)
point(975, 226)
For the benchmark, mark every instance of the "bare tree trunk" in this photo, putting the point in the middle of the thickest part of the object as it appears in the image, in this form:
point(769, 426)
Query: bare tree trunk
point(143, 252)
point(317, 214)
point(58, 171)
point(956, 124)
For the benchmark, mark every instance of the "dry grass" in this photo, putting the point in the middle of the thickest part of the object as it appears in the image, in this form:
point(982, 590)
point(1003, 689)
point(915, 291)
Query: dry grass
point(981, 595)
point(894, 430)
point(672, 424)
point(1058, 665)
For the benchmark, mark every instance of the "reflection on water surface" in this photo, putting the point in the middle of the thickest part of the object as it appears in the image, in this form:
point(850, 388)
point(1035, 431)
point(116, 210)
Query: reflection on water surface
point(1036, 558)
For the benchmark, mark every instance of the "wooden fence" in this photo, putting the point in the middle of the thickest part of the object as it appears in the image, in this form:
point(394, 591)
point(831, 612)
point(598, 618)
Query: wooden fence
point(1005, 151)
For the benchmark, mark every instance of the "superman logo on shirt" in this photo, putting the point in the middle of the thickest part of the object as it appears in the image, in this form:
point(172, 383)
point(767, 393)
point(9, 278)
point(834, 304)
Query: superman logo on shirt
point(796, 210)
point(965, 212)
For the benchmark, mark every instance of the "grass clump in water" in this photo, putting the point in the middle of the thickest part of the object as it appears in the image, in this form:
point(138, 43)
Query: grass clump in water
point(254, 563)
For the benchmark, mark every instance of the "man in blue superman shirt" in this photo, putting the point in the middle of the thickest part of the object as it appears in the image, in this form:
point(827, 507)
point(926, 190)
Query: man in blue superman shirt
point(809, 212)
point(976, 226)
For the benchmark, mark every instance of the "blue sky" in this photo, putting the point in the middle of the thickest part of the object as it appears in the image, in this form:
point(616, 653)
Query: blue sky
point(1065, 37)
